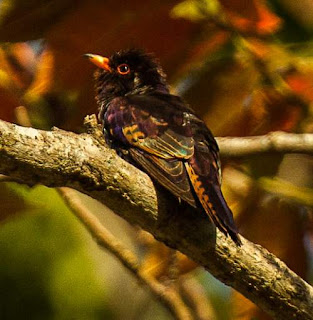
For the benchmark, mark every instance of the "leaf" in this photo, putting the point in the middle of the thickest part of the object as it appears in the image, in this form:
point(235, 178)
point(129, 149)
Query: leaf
point(196, 10)
point(47, 263)
point(286, 189)
point(301, 82)
point(43, 78)
point(21, 59)
point(251, 16)
point(17, 67)
point(271, 110)
point(159, 261)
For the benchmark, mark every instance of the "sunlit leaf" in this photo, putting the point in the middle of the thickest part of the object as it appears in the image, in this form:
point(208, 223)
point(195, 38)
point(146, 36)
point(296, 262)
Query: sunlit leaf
point(195, 10)
point(160, 259)
point(301, 82)
point(251, 16)
point(271, 110)
point(43, 78)
point(286, 189)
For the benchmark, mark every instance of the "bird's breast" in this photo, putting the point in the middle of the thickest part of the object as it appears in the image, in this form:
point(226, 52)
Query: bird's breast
point(113, 120)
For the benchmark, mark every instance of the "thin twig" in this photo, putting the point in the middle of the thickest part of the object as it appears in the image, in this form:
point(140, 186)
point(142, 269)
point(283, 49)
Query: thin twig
point(167, 296)
point(194, 293)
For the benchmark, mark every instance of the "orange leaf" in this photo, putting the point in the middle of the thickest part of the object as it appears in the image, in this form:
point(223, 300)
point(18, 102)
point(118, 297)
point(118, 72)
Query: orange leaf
point(251, 16)
point(202, 50)
point(43, 79)
point(272, 111)
point(301, 83)
point(19, 62)
point(159, 260)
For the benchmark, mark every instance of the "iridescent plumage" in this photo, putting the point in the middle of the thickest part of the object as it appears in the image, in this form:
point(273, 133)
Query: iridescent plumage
point(162, 134)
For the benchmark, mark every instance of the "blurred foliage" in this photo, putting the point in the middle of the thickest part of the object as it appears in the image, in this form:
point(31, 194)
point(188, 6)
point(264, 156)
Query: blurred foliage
point(42, 252)
point(247, 69)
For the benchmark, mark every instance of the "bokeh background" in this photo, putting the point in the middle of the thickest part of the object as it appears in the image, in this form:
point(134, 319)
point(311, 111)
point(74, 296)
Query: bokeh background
point(245, 66)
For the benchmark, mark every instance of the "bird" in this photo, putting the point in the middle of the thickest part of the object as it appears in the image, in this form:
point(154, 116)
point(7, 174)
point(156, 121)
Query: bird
point(160, 132)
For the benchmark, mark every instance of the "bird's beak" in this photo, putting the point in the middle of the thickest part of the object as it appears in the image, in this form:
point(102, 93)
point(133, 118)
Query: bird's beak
point(99, 61)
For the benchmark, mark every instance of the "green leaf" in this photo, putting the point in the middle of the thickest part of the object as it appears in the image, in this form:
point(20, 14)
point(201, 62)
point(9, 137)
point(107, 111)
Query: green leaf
point(286, 189)
point(195, 10)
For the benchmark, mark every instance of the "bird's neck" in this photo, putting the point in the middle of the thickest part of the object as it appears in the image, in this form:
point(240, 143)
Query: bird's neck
point(148, 89)
point(105, 97)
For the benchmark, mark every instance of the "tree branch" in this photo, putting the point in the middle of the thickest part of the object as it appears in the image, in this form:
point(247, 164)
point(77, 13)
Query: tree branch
point(83, 162)
point(274, 142)
point(170, 299)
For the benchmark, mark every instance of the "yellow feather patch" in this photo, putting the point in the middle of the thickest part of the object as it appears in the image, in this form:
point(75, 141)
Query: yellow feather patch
point(133, 134)
point(203, 197)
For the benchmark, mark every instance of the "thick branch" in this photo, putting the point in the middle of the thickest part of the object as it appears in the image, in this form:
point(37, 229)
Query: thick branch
point(83, 162)
point(274, 142)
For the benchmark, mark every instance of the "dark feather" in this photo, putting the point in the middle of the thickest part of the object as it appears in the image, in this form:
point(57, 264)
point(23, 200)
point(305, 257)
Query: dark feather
point(171, 175)
point(136, 119)
point(213, 202)
point(162, 134)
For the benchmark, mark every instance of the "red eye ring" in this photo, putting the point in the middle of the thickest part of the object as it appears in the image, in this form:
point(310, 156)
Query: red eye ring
point(123, 69)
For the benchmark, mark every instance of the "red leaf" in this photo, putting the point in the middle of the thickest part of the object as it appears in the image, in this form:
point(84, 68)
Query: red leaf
point(251, 16)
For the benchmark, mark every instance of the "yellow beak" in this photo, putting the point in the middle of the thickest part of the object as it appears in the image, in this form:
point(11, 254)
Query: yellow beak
point(99, 61)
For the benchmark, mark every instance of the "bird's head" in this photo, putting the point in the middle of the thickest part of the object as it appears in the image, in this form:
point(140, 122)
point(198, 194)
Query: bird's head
point(127, 72)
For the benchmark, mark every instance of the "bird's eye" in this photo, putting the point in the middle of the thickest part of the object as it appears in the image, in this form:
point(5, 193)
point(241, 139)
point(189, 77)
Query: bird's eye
point(123, 69)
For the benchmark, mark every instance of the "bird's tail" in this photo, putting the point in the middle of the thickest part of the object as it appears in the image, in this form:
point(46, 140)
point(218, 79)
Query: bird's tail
point(222, 213)
point(214, 204)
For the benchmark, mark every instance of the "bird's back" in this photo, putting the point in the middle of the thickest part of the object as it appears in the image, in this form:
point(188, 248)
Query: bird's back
point(167, 140)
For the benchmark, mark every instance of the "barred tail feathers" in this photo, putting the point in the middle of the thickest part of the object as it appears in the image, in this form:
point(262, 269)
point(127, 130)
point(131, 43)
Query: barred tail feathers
point(214, 204)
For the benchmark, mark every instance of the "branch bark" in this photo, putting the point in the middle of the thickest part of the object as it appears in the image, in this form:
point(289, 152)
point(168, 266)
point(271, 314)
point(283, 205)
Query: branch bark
point(274, 142)
point(83, 162)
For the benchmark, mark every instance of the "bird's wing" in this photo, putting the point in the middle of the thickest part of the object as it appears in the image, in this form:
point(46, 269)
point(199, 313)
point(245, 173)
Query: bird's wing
point(152, 125)
point(204, 173)
point(176, 149)
point(170, 174)
point(158, 139)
